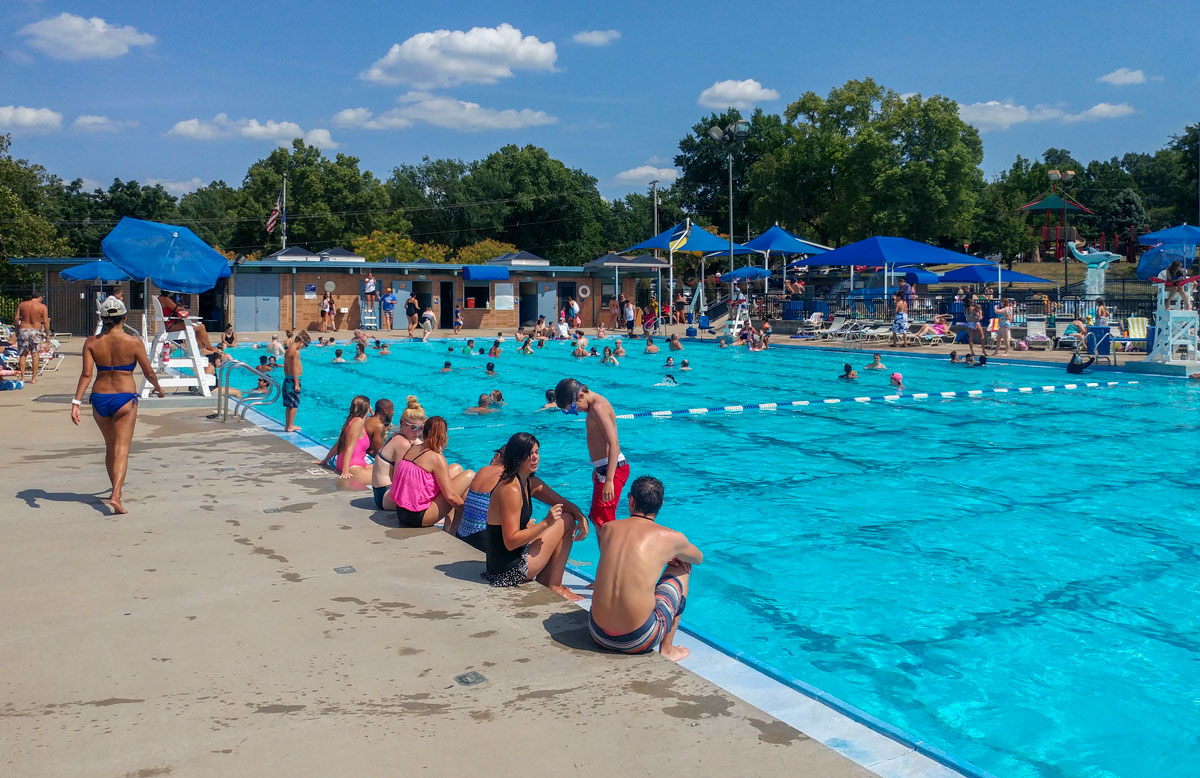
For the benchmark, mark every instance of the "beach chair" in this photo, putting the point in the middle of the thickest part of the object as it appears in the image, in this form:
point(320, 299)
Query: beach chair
point(1061, 341)
point(169, 368)
point(1035, 332)
point(1136, 327)
point(812, 322)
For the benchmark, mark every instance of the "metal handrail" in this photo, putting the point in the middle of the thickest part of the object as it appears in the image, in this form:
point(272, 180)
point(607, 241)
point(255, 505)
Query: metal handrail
point(242, 405)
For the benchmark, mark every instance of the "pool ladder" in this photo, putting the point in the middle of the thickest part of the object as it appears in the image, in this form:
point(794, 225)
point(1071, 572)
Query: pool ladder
point(243, 404)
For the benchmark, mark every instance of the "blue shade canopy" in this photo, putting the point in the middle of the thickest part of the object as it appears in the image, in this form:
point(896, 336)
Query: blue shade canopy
point(779, 241)
point(99, 271)
point(484, 273)
point(915, 275)
point(876, 252)
point(699, 241)
point(174, 258)
point(746, 274)
point(989, 274)
point(1184, 234)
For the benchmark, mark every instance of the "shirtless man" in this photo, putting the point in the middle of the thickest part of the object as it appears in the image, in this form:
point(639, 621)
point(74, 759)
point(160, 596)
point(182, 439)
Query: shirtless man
point(379, 425)
point(650, 347)
point(292, 370)
point(610, 470)
point(33, 327)
point(636, 604)
point(484, 406)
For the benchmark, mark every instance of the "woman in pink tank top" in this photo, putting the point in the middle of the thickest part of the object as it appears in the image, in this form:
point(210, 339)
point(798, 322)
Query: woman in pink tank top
point(425, 488)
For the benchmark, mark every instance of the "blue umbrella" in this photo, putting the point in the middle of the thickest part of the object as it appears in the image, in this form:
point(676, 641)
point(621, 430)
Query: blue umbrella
point(882, 251)
point(697, 240)
point(916, 275)
point(172, 257)
point(982, 274)
point(747, 273)
point(98, 271)
point(1153, 262)
point(1184, 234)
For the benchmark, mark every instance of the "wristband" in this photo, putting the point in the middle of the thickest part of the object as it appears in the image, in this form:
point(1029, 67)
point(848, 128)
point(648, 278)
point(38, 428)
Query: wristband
point(76, 402)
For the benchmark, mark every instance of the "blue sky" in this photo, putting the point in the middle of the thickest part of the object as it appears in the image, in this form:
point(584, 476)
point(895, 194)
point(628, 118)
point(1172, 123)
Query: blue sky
point(185, 93)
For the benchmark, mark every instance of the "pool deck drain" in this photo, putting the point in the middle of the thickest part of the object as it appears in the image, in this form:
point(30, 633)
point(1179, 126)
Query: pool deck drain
point(202, 635)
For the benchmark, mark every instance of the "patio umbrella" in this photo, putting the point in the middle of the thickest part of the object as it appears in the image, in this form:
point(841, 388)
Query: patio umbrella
point(174, 258)
point(1185, 235)
point(747, 273)
point(97, 272)
point(887, 253)
point(682, 237)
point(1153, 262)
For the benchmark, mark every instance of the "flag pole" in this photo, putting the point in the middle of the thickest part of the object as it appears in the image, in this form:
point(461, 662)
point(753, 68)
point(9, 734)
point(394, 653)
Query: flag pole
point(283, 214)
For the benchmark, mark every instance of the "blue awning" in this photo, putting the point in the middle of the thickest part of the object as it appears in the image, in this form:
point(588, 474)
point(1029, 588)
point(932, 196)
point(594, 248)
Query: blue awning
point(484, 273)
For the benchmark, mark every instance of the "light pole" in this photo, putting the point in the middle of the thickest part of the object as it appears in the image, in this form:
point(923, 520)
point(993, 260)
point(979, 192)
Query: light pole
point(737, 132)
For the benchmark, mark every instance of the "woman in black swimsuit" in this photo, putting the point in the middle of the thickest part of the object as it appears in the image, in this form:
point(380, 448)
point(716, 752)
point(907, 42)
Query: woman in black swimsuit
point(230, 336)
point(516, 550)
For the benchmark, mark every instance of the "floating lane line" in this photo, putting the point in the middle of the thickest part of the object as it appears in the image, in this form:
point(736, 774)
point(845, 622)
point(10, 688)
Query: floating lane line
point(964, 394)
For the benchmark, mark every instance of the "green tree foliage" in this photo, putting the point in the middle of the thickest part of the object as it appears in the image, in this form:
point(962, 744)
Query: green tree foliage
point(394, 246)
point(1125, 211)
point(631, 218)
point(703, 184)
point(481, 251)
point(1186, 149)
point(211, 212)
point(24, 231)
point(864, 161)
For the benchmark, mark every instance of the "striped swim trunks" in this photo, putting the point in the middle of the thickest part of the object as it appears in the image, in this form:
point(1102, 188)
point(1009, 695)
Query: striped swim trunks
point(669, 602)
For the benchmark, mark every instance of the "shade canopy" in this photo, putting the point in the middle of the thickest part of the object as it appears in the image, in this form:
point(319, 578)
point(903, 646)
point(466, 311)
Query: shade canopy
point(1055, 202)
point(989, 274)
point(484, 273)
point(174, 258)
point(777, 240)
point(699, 241)
point(1185, 234)
point(880, 251)
point(747, 273)
point(98, 272)
point(915, 275)
point(641, 261)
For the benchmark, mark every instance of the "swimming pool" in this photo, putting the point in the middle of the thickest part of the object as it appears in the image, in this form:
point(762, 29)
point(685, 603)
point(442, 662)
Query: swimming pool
point(1012, 578)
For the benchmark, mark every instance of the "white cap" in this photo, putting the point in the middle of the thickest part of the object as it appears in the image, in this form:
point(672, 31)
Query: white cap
point(112, 307)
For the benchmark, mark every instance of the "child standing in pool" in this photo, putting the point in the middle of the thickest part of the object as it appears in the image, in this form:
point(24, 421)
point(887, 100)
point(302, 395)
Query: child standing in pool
point(610, 469)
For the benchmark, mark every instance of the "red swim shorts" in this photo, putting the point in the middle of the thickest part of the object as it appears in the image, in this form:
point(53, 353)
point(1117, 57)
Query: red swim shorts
point(603, 512)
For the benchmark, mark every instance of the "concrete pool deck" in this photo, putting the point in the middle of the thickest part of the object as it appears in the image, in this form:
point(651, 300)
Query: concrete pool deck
point(209, 632)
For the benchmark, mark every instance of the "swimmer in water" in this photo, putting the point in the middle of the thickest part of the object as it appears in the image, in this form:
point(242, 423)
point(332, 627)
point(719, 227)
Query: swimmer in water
point(848, 373)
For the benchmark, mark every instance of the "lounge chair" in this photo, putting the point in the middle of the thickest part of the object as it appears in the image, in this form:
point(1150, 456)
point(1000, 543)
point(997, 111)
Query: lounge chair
point(1035, 332)
point(812, 322)
point(167, 367)
point(1062, 340)
point(1136, 327)
point(835, 329)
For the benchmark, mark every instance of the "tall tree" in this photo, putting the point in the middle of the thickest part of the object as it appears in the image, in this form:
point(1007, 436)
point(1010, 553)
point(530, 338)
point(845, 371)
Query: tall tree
point(24, 232)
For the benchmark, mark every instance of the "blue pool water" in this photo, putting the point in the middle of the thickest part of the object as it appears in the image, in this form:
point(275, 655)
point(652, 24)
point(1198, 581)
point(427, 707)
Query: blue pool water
point(1013, 579)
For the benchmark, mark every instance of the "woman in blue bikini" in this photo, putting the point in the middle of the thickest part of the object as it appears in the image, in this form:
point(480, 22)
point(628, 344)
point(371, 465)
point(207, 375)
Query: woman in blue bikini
point(113, 354)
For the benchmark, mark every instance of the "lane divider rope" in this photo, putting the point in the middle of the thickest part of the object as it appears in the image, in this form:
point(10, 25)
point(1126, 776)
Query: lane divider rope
point(889, 398)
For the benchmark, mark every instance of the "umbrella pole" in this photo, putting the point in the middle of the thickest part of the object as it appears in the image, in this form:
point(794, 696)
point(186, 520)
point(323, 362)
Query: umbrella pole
point(671, 281)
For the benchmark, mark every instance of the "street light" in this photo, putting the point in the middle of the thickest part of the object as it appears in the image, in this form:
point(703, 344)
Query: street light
point(736, 132)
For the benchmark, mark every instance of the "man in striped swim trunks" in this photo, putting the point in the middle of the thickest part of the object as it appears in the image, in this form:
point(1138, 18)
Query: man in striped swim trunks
point(636, 604)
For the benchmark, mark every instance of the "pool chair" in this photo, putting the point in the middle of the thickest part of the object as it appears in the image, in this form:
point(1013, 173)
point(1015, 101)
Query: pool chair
point(1136, 328)
point(1063, 341)
point(1035, 332)
point(835, 328)
point(812, 322)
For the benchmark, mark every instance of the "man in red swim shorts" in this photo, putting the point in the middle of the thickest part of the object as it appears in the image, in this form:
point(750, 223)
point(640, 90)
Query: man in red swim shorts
point(610, 470)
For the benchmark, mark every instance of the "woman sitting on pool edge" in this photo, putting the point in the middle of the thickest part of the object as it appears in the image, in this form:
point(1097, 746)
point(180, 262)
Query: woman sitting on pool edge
point(349, 453)
point(472, 527)
point(426, 488)
point(517, 551)
point(412, 421)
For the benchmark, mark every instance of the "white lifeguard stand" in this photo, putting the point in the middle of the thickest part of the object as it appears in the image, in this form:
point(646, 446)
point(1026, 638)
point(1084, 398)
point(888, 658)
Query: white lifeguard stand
point(1175, 330)
point(166, 367)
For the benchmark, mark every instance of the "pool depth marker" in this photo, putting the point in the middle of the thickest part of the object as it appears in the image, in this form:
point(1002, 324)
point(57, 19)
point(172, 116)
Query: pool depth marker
point(969, 393)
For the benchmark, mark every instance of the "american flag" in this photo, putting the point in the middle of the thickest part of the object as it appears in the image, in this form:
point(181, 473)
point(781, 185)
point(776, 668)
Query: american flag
point(273, 219)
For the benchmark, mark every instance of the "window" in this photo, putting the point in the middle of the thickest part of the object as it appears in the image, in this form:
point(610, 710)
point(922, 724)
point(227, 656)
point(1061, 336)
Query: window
point(476, 295)
point(607, 292)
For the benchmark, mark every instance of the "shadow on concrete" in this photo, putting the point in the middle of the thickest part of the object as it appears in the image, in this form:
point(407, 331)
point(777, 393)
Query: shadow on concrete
point(469, 570)
point(93, 501)
point(570, 630)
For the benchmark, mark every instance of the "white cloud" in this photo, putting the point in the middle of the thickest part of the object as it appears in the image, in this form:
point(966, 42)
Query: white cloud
point(656, 159)
point(90, 184)
point(71, 37)
point(177, 188)
point(1100, 111)
point(481, 55)
point(20, 117)
point(996, 115)
point(93, 123)
point(442, 112)
point(596, 37)
point(1124, 77)
point(221, 126)
point(736, 94)
point(644, 174)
